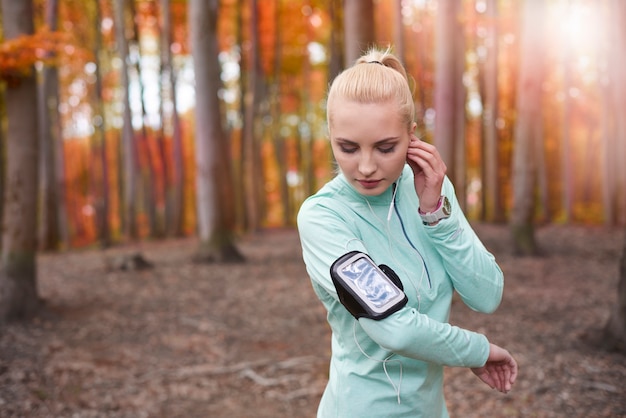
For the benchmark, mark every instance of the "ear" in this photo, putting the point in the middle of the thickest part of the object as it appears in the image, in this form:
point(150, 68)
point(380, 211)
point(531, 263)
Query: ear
point(413, 128)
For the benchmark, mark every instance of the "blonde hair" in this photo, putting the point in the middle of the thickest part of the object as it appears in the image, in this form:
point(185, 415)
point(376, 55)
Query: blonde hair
point(376, 77)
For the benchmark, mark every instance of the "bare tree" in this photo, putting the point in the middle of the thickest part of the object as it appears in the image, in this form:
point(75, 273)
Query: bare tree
point(3, 159)
point(18, 272)
point(398, 30)
point(613, 335)
point(275, 109)
point(50, 134)
point(174, 189)
point(614, 332)
point(101, 187)
point(459, 169)
point(614, 123)
point(449, 92)
point(214, 185)
point(147, 171)
point(528, 130)
point(252, 91)
point(566, 160)
point(359, 32)
point(128, 140)
point(335, 45)
point(492, 201)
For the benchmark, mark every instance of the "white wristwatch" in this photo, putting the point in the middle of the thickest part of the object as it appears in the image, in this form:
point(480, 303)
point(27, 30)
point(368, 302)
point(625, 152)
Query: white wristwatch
point(442, 211)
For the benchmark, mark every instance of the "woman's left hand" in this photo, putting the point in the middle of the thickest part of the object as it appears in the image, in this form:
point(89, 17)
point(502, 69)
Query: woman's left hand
point(429, 171)
point(500, 371)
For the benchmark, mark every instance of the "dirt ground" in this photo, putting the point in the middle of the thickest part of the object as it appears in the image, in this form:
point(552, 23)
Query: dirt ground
point(250, 340)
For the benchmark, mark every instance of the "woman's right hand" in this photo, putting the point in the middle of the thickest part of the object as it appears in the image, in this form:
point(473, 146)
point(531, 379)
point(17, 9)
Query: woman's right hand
point(429, 172)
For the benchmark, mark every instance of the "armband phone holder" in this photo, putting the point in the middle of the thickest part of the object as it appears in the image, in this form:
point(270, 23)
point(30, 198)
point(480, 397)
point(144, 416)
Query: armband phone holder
point(365, 289)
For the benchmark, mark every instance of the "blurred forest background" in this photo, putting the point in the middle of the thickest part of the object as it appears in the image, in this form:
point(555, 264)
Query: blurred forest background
point(126, 120)
point(97, 60)
point(137, 135)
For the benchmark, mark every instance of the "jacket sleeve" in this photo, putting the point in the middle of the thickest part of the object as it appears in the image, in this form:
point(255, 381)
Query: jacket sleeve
point(476, 276)
point(325, 235)
point(413, 334)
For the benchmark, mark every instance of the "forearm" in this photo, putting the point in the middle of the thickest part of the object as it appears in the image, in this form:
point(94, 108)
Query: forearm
point(411, 334)
point(473, 270)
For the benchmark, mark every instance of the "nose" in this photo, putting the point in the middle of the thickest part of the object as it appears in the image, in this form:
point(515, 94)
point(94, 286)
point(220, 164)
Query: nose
point(367, 164)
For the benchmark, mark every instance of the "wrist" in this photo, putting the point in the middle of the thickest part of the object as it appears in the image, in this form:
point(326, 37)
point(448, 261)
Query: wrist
point(441, 211)
point(423, 210)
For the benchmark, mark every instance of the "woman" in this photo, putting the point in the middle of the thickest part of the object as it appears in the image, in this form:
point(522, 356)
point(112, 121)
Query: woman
point(392, 202)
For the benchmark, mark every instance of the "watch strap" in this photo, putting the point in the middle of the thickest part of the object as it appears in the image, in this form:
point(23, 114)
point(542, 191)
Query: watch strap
point(441, 212)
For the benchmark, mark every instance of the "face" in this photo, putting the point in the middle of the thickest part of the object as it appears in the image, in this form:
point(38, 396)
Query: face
point(370, 142)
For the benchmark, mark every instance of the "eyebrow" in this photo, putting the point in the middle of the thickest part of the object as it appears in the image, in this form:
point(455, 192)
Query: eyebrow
point(380, 142)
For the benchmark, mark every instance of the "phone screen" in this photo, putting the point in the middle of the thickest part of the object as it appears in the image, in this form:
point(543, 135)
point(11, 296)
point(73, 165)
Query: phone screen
point(366, 279)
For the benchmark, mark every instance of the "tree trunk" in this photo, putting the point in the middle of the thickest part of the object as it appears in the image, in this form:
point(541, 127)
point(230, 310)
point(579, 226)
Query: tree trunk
point(446, 83)
point(214, 188)
point(398, 30)
point(614, 333)
point(612, 336)
point(359, 34)
point(275, 111)
point(527, 130)
point(100, 185)
point(566, 160)
point(618, 80)
point(541, 176)
point(177, 191)
point(50, 134)
point(458, 170)
point(129, 153)
point(305, 136)
point(252, 92)
point(336, 44)
point(3, 157)
point(18, 273)
point(493, 210)
point(609, 145)
point(148, 172)
point(174, 189)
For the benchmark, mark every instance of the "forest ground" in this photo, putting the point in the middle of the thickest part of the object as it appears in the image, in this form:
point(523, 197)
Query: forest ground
point(250, 340)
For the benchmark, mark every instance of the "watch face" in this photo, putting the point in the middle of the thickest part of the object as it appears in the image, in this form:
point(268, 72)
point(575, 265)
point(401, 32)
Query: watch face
point(447, 208)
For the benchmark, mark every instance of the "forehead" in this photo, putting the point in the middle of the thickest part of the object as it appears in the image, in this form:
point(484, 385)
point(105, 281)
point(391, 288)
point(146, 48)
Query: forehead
point(348, 116)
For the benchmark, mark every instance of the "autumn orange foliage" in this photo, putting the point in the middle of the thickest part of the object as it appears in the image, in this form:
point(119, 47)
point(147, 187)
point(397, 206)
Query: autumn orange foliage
point(19, 55)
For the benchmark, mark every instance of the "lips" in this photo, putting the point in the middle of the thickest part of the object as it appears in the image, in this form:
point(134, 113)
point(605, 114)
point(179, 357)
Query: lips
point(369, 184)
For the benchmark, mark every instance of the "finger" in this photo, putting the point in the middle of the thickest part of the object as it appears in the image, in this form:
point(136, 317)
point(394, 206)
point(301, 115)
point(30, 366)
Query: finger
point(426, 148)
point(504, 382)
point(430, 166)
point(414, 165)
point(499, 377)
point(414, 158)
point(488, 379)
point(506, 379)
point(513, 371)
point(495, 378)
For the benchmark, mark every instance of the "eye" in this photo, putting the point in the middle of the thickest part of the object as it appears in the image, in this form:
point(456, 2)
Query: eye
point(387, 149)
point(347, 149)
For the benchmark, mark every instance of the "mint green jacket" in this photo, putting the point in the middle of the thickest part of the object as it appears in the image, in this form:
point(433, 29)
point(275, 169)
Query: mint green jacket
point(394, 367)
